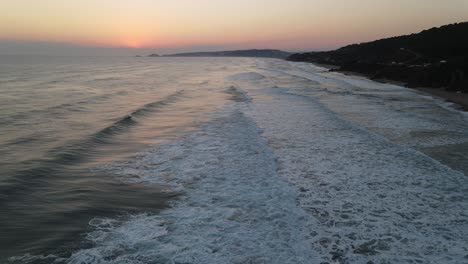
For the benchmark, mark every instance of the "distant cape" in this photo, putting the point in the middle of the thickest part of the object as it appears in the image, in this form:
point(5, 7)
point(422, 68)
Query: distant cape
point(260, 53)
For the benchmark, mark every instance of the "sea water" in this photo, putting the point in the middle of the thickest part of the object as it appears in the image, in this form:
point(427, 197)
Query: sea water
point(224, 160)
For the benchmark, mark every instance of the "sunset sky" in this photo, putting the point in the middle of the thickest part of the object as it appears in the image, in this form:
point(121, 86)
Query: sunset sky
point(220, 24)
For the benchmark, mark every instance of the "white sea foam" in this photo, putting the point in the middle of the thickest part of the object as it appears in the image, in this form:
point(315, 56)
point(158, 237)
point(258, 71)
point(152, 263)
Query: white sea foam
point(398, 113)
point(235, 209)
point(445, 104)
point(373, 200)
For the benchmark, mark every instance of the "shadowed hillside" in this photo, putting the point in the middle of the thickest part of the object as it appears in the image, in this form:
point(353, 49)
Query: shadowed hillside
point(436, 57)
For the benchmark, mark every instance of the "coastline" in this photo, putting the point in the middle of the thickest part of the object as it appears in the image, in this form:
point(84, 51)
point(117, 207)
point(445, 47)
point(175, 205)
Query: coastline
point(459, 99)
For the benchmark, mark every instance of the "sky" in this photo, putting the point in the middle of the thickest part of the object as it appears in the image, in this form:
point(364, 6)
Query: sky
point(165, 26)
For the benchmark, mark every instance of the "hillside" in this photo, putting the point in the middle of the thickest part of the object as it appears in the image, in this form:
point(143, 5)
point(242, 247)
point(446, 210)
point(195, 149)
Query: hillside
point(261, 53)
point(436, 57)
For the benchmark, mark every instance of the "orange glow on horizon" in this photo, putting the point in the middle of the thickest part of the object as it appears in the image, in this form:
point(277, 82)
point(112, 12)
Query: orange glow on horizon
point(299, 24)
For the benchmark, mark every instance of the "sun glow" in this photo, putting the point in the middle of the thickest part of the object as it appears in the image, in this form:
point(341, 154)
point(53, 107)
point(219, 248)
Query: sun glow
point(299, 24)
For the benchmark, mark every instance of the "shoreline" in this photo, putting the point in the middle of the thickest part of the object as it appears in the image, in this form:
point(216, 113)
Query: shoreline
point(460, 100)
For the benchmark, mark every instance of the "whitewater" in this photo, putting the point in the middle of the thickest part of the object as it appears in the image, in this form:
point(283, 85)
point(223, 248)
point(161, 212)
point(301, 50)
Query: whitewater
point(278, 162)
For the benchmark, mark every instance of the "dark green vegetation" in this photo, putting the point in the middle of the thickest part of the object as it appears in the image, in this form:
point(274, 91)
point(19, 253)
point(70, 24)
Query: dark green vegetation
point(436, 58)
point(260, 53)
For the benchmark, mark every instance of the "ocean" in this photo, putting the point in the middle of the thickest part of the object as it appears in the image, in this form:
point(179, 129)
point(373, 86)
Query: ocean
point(224, 160)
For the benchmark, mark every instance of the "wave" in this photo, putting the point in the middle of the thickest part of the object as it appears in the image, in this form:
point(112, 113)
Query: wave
point(245, 76)
point(60, 109)
point(151, 107)
point(238, 95)
point(130, 120)
point(78, 152)
point(103, 79)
